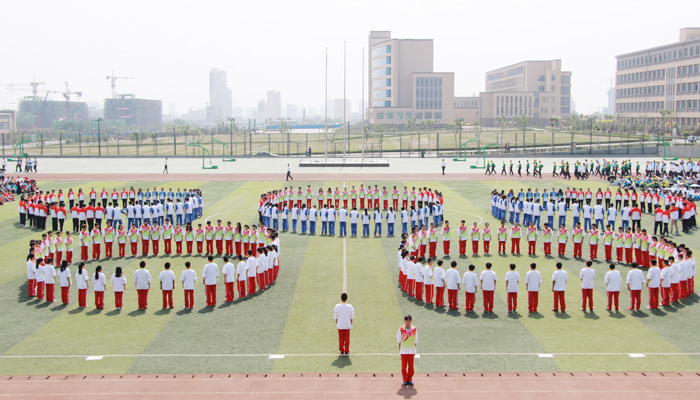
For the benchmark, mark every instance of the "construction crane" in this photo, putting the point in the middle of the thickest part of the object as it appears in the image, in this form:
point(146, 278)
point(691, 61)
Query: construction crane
point(114, 82)
point(67, 95)
point(17, 86)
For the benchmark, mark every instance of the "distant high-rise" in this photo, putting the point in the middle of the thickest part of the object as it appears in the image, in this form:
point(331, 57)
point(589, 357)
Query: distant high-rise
point(338, 109)
point(292, 111)
point(274, 104)
point(220, 103)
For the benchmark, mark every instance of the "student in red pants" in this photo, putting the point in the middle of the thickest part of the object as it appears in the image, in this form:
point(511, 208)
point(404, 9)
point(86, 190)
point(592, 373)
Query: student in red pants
point(562, 238)
point(142, 281)
point(653, 283)
point(344, 315)
point(419, 278)
point(475, 234)
point(502, 237)
point(407, 338)
point(612, 282)
point(635, 281)
point(488, 287)
point(487, 238)
point(439, 278)
point(82, 281)
point(242, 276)
point(531, 238)
point(251, 267)
point(133, 240)
point(167, 284)
point(515, 234)
point(109, 239)
point(512, 287)
point(210, 274)
point(559, 279)
point(145, 238)
point(229, 271)
point(587, 276)
point(167, 229)
point(533, 280)
point(49, 279)
point(188, 278)
point(64, 282)
point(118, 285)
point(99, 283)
point(547, 239)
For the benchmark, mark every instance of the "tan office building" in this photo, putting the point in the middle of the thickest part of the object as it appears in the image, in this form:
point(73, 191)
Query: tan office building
point(8, 121)
point(537, 90)
point(661, 78)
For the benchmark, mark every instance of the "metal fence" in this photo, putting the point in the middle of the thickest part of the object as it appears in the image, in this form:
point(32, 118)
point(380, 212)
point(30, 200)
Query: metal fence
point(433, 143)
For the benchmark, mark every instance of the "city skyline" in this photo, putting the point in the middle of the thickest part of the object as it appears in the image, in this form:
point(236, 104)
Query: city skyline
point(286, 46)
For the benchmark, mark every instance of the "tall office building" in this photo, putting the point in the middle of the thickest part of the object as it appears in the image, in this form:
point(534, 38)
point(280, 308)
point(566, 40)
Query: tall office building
point(273, 107)
point(661, 78)
point(220, 100)
point(537, 90)
point(402, 85)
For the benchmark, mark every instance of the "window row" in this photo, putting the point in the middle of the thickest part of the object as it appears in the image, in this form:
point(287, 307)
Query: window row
point(690, 51)
point(400, 115)
point(656, 74)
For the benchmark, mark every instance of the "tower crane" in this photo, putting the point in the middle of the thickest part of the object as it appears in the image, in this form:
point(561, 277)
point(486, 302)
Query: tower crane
point(34, 84)
point(114, 82)
point(67, 95)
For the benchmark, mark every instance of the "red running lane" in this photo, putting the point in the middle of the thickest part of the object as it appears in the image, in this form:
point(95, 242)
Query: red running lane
point(311, 386)
point(303, 177)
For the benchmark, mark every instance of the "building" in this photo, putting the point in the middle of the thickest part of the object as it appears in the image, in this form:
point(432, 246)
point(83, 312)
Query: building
point(40, 113)
point(610, 109)
point(537, 90)
point(220, 101)
point(138, 113)
point(661, 85)
point(402, 85)
point(8, 121)
point(273, 107)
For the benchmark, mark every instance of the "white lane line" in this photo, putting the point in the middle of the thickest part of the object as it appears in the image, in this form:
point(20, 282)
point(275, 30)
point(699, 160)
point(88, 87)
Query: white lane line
point(276, 356)
point(93, 358)
point(345, 265)
point(84, 356)
point(481, 220)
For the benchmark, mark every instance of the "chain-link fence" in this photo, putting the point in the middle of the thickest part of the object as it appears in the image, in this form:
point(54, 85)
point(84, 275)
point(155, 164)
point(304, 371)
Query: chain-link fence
point(418, 143)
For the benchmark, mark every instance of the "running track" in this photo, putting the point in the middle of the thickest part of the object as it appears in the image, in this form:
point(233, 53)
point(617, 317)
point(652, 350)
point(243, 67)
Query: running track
point(227, 177)
point(584, 385)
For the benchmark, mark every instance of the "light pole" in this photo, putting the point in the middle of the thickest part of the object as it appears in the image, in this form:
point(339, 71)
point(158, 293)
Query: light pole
point(590, 136)
point(231, 121)
point(459, 123)
point(99, 137)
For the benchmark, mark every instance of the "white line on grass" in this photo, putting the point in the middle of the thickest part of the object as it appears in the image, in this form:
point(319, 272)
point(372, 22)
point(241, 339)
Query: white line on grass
point(638, 355)
point(481, 220)
point(345, 266)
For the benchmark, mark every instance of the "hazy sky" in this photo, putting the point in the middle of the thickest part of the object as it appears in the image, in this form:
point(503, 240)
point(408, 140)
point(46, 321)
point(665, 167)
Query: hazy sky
point(170, 46)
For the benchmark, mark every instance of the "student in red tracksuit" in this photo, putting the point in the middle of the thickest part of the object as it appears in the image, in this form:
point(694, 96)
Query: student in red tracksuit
point(85, 241)
point(209, 236)
point(109, 239)
point(531, 238)
point(462, 230)
point(502, 237)
point(167, 284)
point(475, 234)
point(547, 239)
point(593, 238)
point(486, 238)
point(578, 240)
point(515, 234)
point(145, 238)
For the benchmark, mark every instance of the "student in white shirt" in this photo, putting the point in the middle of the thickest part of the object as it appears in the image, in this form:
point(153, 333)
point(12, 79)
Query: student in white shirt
point(188, 278)
point(559, 278)
point(587, 275)
point(99, 283)
point(635, 281)
point(452, 281)
point(488, 287)
point(533, 280)
point(229, 271)
point(251, 267)
point(82, 279)
point(512, 286)
point(344, 315)
point(439, 279)
point(612, 282)
point(64, 282)
point(241, 272)
point(49, 279)
point(118, 285)
point(471, 283)
point(354, 216)
point(31, 275)
point(142, 281)
point(653, 283)
point(210, 274)
point(167, 284)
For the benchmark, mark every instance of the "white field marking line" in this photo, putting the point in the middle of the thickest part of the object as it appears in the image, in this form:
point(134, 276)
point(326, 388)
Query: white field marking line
point(228, 212)
point(345, 265)
point(481, 220)
point(329, 392)
point(335, 355)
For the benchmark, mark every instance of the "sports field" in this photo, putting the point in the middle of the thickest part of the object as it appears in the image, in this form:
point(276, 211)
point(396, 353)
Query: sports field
point(293, 321)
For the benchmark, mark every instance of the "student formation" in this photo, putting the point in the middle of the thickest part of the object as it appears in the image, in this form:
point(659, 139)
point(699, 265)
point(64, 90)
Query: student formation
point(378, 206)
point(149, 217)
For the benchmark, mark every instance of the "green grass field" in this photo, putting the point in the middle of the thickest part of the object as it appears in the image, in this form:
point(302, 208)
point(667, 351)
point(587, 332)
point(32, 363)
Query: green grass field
point(295, 317)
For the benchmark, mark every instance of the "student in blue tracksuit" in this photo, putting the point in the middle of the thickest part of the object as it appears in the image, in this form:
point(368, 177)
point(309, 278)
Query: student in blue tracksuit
point(365, 223)
point(377, 222)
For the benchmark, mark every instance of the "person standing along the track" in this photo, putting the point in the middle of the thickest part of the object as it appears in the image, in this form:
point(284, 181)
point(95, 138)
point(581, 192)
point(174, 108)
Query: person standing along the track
point(407, 338)
point(344, 315)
